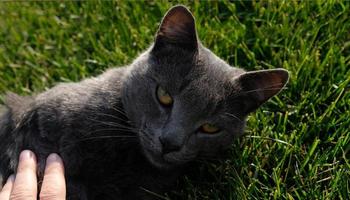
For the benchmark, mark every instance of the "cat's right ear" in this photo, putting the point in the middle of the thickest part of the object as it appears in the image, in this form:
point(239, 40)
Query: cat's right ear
point(177, 29)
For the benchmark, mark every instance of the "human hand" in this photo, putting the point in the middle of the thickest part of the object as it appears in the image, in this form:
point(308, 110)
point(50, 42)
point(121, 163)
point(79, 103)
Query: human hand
point(24, 185)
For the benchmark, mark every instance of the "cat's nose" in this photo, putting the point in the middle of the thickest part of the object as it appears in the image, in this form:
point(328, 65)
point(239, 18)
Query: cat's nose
point(168, 145)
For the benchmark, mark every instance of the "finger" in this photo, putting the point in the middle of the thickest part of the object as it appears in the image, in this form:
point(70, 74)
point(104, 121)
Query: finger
point(25, 186)
point(54, 184)
point(6, 190)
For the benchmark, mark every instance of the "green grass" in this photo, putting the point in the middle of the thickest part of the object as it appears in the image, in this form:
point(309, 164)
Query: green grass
point(296, 146)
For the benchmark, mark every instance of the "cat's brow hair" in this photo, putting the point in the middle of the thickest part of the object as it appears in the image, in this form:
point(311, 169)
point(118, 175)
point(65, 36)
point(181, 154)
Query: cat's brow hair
point(188, 79)
point(184, 84)
point(233, 116)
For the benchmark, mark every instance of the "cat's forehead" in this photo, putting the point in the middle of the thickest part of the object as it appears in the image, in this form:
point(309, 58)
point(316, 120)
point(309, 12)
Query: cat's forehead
point(205, 74)
point(205, 87)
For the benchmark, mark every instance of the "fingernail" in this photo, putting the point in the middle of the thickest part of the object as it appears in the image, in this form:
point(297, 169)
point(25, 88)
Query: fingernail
point(25, 155)
point(11, 178)
point(52, 158)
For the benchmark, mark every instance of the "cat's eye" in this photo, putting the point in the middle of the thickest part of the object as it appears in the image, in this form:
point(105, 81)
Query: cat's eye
point(209, 128)
point(164, 97)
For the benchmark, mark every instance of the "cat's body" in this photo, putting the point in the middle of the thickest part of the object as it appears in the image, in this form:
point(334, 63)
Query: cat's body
point(118, 140)
point(77, 121)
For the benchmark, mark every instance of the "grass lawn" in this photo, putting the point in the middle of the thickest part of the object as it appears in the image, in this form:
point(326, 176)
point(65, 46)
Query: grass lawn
point(296, 146)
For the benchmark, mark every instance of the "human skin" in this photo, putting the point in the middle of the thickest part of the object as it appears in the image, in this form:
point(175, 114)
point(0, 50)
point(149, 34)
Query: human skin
point(24, 186)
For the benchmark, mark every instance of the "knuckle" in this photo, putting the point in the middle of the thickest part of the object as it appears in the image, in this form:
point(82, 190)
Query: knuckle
point(49, 196)
point(51, 193)
point(21, 196)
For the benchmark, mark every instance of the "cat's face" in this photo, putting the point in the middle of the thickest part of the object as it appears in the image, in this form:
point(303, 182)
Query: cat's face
point(185, 101)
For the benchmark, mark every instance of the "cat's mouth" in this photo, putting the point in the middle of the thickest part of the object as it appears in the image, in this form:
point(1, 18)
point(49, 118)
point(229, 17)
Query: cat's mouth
point(165, 161)
point(153, 153)
point(157, 159)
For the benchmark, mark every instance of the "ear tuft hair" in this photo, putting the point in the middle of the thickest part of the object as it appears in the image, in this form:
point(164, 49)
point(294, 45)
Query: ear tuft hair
point(177, 28)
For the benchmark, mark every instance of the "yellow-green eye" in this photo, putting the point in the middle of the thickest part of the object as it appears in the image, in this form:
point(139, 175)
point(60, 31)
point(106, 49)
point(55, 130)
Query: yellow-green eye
point(209, 128)
point(164, 97)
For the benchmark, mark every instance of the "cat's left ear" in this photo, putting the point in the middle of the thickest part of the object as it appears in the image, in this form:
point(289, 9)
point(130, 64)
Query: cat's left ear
point(259, 86)
point(177, 29)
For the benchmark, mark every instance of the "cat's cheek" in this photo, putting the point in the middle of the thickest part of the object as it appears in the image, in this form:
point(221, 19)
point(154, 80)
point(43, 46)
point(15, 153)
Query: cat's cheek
point(211, 144)
point(192, 145)
point(149, 144)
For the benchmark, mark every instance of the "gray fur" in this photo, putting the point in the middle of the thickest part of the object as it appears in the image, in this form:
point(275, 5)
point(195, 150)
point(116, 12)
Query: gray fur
point(109, 129)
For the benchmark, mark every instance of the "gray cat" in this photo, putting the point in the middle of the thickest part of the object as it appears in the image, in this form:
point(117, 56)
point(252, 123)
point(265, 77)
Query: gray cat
point(133, 129)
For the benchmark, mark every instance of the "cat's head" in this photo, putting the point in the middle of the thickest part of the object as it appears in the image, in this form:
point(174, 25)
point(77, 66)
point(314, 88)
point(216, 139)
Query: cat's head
point(186, 101)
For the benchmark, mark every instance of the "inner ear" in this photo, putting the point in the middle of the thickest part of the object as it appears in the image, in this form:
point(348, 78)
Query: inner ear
point(259, 86)
point(177, 28)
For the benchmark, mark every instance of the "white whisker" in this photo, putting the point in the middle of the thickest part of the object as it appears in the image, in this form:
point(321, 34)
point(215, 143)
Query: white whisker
point(234, 116)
